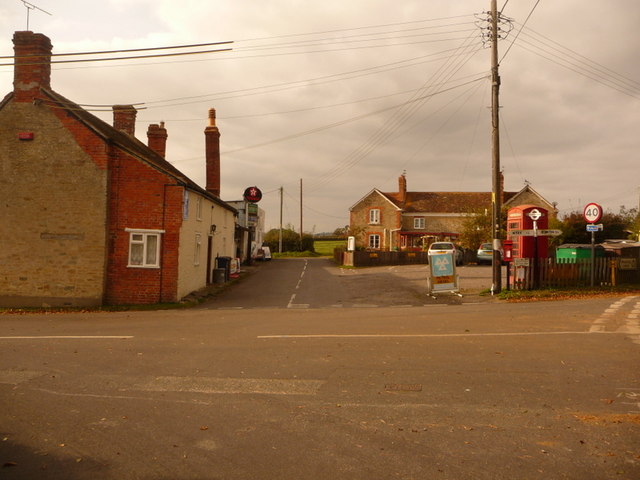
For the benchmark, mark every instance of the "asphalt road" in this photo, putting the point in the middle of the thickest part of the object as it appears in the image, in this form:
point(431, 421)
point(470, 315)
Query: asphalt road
point(318, 283)
point(476, 390)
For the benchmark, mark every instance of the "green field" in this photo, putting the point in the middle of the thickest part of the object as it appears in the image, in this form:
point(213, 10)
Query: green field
point(325, 247)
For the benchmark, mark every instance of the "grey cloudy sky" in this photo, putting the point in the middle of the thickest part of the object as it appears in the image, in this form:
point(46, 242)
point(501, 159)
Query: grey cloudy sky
point(348, 95)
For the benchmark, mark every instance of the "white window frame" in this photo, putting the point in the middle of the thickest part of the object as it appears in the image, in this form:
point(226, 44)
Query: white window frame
point(197, 250)
point(199, 208)
point(374, 241)
point(374, 216)
point(139, 236)
point(418, 223)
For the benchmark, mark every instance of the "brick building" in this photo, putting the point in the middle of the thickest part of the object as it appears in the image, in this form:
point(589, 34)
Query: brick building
point(90, 214)
point(412, 220)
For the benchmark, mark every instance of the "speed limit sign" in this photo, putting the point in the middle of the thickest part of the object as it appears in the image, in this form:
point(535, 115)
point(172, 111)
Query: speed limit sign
point(592, 212)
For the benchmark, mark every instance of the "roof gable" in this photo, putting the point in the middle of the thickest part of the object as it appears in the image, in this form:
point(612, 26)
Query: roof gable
point(526, 194)
point(130, 145)
point(375, 191)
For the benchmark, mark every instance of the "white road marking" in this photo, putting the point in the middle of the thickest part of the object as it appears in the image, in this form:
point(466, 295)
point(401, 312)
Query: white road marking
point(270, 386)
point(293, 296)
point(631, 324)
point(425, 335)
point(15, 377)
point(69, 337)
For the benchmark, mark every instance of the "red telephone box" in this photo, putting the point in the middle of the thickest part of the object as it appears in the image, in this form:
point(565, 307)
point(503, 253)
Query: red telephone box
point(526, 217)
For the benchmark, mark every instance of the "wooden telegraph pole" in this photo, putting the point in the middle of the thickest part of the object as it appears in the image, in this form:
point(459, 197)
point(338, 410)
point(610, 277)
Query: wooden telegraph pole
point(496, 194)
point(301, 215)
point(280, 235)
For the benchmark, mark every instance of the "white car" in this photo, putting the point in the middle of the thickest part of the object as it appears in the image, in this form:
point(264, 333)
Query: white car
point(447, 247)
point(264, 253)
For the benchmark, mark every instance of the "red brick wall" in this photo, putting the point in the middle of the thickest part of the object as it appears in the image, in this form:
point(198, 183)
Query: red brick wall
point(33, 68)
point(142, 198)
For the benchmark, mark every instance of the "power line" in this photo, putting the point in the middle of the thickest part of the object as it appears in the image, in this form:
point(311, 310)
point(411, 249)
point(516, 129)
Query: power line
point(134, 57)
point(348, 120)
point(518, 33)
point(303, 83)
point(612, 80)
point(384, 133)
point(356, 28)
point(129, 50)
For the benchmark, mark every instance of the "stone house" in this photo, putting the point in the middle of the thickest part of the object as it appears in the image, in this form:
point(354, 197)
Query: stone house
point(405, 220)
point(90, 214)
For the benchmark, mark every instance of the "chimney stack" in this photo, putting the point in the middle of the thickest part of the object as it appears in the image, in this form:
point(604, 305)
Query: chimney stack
point(32, 68)
point(124, 118)
point(157, 137)
point(402, 188)
point(212, 152)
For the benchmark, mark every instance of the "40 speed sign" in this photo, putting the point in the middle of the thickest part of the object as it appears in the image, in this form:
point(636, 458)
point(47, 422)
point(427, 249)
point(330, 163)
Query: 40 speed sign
point(592, 213)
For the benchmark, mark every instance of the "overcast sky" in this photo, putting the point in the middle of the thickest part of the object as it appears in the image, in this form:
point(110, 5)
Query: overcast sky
point(346, 95)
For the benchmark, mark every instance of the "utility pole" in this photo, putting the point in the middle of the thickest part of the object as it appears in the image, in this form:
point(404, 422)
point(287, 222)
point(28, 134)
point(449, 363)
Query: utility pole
point(300, 214)
point(496, 193)
point(280, 236)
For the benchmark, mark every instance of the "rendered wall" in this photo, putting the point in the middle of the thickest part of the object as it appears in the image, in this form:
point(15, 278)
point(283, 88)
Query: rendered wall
point(193, 272)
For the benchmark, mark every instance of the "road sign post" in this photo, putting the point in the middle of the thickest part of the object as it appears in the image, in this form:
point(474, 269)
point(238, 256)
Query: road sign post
point(592, 214)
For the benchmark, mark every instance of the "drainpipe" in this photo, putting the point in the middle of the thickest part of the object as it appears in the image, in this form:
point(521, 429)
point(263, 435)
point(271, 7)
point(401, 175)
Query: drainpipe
point(390, 236)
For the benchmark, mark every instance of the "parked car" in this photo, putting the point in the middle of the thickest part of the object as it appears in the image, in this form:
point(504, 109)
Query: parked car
point(264, 253)
point(485, 254)
point(447, 247)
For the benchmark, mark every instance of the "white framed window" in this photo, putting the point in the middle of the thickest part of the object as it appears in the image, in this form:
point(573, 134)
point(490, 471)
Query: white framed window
point(185, 204)
point(144, 248)
point(199, 208)
point(374, 216)
point(196, 250)
point(374, 241)
point(418, 223)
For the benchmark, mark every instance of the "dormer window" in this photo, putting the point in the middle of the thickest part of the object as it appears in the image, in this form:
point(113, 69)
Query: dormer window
point(374, 216)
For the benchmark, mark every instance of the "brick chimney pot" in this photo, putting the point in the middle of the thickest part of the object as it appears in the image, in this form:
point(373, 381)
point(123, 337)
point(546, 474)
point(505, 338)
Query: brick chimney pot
point(32, 69)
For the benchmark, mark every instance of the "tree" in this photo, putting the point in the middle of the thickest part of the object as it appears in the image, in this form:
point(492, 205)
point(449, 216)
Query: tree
point(341, 232)
point(616, 225)
point(476, 229)
point(290, 240)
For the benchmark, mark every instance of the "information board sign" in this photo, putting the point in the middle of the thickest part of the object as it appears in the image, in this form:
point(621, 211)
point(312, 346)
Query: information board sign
point(442, 274)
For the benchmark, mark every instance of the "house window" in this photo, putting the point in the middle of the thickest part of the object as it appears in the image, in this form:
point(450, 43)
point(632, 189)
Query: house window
point(374, 216)
point(185, 204)
point(199, 208)
point(418, 223)
point(196, 251)
point(144, 248)
point(374, 241)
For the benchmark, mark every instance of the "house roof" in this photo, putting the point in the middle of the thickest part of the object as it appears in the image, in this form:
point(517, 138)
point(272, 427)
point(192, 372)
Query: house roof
point(129, 144)
point(444, 202)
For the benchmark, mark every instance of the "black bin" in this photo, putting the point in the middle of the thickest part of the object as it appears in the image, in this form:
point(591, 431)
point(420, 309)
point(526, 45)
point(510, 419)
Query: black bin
point(224, 263)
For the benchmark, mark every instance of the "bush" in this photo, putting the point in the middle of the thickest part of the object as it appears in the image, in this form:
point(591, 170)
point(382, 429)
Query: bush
point(290, 241)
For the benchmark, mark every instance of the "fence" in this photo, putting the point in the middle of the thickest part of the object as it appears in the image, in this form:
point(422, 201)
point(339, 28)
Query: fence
point(374, 259)
point(533, 273)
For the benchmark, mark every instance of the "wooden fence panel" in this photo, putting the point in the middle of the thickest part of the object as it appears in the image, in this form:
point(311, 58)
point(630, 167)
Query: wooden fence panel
point(553, 273)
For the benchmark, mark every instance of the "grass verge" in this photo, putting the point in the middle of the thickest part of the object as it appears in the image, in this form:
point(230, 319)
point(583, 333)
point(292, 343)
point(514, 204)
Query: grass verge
point(565, 293)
